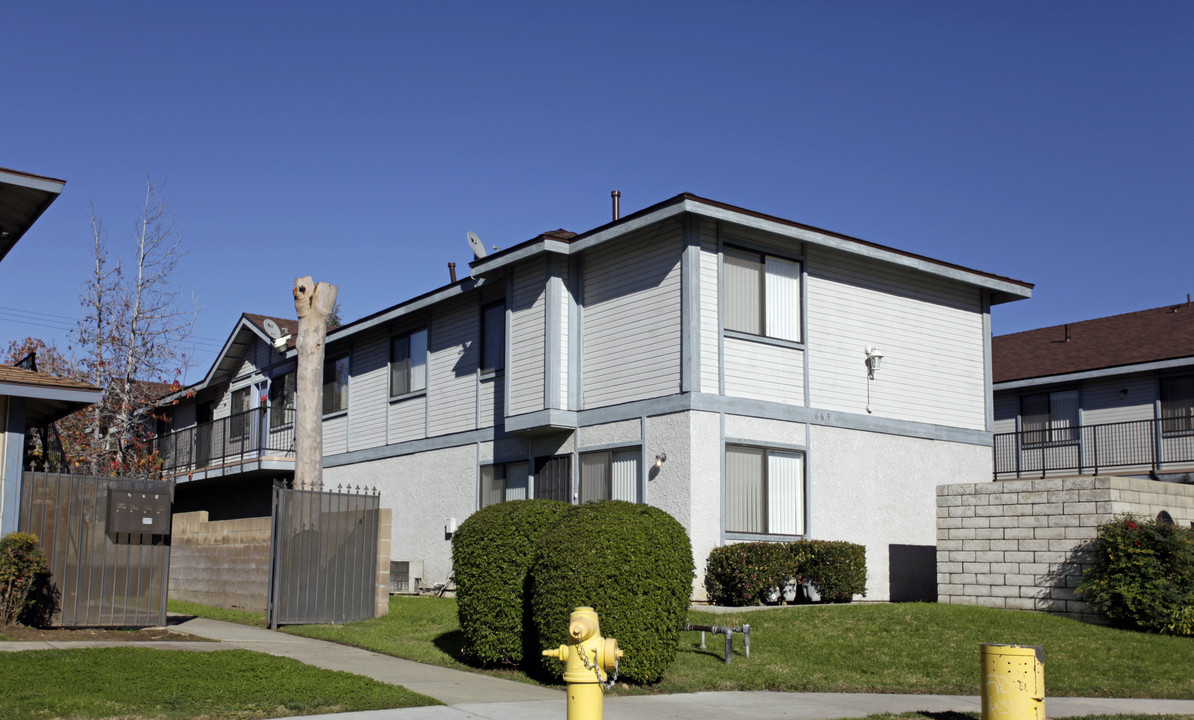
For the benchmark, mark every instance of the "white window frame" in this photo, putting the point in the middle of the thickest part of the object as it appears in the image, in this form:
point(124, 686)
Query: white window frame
point(409, 362)
point(777, 295)
point(780, 491)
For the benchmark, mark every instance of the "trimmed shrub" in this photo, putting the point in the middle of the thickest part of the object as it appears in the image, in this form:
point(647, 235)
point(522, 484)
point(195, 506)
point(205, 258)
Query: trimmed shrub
point(21, 565)
point(491, 554)
point(1143, 576)
point(837, 568)
point(747, 573)
point(633, 565)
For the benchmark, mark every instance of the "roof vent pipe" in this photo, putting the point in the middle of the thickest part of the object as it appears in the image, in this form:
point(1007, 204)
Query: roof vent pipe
point(617, 196)
point(452, 272)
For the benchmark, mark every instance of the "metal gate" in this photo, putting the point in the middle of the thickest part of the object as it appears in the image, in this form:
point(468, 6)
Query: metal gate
point(107, 543)
point(324, 549)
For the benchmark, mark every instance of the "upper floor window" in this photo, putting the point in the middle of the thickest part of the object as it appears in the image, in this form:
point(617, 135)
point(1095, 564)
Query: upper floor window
point(1177, 404)
point(239, 413)
point(764, 491)
point(335, 384)
point(493, 337)
point(1049, 417)
point(408, 363)
point(761, 294)
point(610, 475)
point(281, 401)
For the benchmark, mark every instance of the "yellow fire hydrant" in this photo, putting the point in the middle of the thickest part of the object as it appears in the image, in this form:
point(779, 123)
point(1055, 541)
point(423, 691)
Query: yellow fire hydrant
point(587, 656)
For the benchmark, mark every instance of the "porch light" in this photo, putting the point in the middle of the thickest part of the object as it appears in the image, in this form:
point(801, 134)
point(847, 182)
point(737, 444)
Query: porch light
point(660, 459)
point(873, 359)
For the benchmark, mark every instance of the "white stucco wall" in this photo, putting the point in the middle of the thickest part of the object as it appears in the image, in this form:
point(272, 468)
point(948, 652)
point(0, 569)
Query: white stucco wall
point(879, 490)
point(423, 490)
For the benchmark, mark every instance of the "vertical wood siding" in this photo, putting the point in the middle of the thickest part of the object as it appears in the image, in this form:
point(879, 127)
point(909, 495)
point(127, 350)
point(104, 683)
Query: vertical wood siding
point(527, 330)
point(929, 329)
point(369, 390)
point(764, 372)
point(710, 369)
point(632, 318)
point(453, 353)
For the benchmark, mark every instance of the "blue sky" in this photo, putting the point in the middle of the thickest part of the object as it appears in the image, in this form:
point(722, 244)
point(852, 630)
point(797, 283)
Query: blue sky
point(358, 142)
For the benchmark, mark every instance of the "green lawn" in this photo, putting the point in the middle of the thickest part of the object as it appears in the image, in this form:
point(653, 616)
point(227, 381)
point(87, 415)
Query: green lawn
point(900, 648)
point(244, 617)
point(129, 682)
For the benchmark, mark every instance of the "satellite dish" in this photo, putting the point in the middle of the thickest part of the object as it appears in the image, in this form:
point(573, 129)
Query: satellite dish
point(272, 329)
point(475, 243)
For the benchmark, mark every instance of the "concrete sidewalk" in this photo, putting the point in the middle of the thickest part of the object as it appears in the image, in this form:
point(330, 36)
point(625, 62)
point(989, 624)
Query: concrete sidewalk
point(471, 696)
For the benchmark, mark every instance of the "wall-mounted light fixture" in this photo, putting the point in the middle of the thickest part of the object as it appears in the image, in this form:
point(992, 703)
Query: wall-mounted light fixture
point(660, 459)
point(873, 359)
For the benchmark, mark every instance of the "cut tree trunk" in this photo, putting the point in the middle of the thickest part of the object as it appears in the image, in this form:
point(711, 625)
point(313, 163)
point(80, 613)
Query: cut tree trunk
point(314, 303)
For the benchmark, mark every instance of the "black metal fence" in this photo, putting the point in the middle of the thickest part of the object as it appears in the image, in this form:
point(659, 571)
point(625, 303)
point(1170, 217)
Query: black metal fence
point(232, 440)
point(324, 555)
point(1140, 445)
point(107, 542)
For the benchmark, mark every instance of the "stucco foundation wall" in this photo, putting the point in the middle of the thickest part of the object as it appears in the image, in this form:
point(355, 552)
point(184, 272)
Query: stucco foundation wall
point(223, 563)
point(1024, 544)
point(422, 490)
point(880, 490)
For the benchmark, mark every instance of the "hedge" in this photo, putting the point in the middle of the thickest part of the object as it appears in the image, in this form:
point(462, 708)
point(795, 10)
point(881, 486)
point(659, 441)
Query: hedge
point(747, 573)
point(1143, 576)
point(633, 565)
point(491, 554)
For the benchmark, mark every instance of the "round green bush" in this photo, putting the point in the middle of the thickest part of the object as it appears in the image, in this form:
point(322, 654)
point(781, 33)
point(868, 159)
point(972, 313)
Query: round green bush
point(491, 554)
point(633, 565)
point(745, 573)
point(1143, 576)
point(837, 568)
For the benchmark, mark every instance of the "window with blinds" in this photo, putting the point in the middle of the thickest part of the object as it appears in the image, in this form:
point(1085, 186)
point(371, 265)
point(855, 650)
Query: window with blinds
point(761, 294)
point(610, 475)
point(1049, 417)
point(764, 491)
point(1177, 405)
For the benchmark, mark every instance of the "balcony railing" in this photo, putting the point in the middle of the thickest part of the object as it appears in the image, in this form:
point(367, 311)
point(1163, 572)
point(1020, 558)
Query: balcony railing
point(1138, 446)
point(234, 440)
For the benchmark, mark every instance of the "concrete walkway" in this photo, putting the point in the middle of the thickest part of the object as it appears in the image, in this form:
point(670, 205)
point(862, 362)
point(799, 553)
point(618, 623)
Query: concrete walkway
point(470, 696)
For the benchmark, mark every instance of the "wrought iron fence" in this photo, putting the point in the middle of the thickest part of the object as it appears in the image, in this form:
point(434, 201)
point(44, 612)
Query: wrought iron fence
point(234, 439)
point(1142, 445)
point(107, 544)
point(324, 555)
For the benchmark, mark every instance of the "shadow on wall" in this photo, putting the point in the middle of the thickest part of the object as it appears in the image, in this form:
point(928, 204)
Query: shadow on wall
point(912, 573)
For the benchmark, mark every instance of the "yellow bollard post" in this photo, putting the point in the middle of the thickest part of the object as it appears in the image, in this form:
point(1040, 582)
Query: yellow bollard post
point(1013, 681)
point(586, 656)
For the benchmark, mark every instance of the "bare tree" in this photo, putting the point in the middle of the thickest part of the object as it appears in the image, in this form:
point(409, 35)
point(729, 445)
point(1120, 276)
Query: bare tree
point(132, 337)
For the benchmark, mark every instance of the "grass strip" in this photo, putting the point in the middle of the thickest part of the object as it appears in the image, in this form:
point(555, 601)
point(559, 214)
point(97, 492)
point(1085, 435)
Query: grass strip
point(242, 617)
point(130, 682)
point(923, 648)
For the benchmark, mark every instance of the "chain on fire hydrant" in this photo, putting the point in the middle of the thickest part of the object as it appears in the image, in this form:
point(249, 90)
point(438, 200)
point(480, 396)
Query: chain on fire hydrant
point(586, 656)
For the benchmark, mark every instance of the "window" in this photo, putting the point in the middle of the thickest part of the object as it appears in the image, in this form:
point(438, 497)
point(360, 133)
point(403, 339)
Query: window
point(501, 483)
point(1049, 417)
point(335, 385)
point(1177, 404)
point(238, 421)
point(610, 475)
point(762, 294)
point(764, 491)
point(493, 337)
point(281, 401)
point(408, 363)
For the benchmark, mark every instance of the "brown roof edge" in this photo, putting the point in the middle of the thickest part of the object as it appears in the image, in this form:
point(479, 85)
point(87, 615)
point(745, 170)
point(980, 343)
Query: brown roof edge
point(32, 175)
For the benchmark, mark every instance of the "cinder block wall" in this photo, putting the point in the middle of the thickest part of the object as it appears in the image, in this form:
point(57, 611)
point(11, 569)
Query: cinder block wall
point(223, 563)
point(384, 528)
point(1016, 543)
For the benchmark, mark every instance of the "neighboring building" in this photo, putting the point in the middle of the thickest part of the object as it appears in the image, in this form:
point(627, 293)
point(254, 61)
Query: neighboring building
point(703, 358)
point(1110, 396)
point(27, 399)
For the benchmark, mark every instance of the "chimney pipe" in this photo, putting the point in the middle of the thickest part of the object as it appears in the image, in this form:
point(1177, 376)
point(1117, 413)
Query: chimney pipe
point(616, 195)
point(452, 271)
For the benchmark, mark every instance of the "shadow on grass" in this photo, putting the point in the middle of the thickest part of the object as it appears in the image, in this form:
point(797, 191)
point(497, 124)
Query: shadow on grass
point(451, 644)
point(173, 619)
point(947, 715)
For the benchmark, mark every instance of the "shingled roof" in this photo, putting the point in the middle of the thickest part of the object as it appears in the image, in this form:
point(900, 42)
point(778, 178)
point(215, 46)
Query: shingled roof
point(1163, 333)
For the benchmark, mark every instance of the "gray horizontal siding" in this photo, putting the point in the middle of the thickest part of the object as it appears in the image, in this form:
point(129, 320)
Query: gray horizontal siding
point(929, 329)
point(527, 335)
point(408, 419)
point(764, 372)
point(369, 388)
point(335, 435)
point(454, 348)
point(1103, 401)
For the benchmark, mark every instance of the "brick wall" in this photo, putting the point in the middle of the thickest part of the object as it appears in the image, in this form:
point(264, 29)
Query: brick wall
point(223, 563)
point(1023, 544)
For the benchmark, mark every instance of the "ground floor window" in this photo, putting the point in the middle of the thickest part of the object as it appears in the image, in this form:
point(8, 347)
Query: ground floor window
point(610, 475)
point(504, 482)
point(764, 491)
